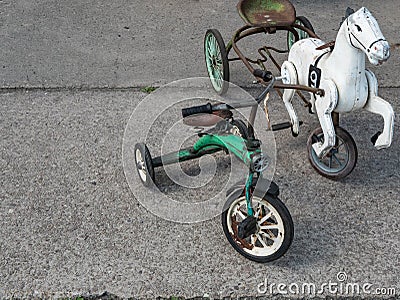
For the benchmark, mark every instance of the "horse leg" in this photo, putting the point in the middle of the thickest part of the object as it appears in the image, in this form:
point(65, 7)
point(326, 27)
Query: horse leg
point(288, 71)
point(324, 106)
point(377, 105)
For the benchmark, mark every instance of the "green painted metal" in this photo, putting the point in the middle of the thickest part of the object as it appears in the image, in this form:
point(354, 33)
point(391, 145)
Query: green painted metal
point(232, 143)
point(302, 35)
point(183, 155)
point(267, 12)
point(210, 144)
point(249, 184)
point(237, 146)
point(214, 62)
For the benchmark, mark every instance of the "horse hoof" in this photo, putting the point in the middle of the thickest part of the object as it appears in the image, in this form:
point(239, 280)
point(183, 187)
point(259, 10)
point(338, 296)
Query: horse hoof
point(374, 138)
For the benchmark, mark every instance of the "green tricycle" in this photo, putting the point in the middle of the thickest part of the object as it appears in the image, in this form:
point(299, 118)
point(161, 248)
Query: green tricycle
point(255, 221)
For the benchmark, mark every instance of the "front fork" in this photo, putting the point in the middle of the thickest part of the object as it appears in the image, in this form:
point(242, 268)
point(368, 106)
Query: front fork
point(248, 187)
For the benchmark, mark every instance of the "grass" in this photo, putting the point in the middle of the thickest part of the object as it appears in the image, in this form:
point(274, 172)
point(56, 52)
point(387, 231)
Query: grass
point(148, 89)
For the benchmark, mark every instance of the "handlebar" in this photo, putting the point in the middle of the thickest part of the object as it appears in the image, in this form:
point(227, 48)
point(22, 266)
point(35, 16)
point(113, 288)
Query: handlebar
point(201, 109)
point(264, 75)
point(209, 108)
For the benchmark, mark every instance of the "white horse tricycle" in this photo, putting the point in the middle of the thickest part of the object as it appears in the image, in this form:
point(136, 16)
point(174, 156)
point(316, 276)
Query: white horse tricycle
point(339, 69)
point(333, 73)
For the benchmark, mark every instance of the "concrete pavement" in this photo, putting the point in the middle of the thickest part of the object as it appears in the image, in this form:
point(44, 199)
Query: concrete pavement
point(134, 43)
point(69, 224)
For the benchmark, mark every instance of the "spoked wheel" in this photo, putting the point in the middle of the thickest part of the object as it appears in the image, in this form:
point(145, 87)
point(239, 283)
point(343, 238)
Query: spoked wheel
point(302, 34)
point(239, 128)
point(341, 159)
point(273, 232)
point(144, 164)
point(216, 60)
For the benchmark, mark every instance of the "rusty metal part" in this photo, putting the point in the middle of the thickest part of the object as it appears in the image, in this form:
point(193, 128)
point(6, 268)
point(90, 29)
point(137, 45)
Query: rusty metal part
point(223, 113)
point(309, 31)
point(305, 88)
point(246, 31)
point(278, 66)
point(331, 44)
point(241, 242)
point(241, 33)
point(206, 119)
point(261, 13)
point(265, 52)
point(335, 118)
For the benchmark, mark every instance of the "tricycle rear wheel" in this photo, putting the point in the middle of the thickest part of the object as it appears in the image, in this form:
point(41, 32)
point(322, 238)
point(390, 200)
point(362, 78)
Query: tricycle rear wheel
point(216, 61)
point(239, 128)
point(144, 164)
point(300, 20)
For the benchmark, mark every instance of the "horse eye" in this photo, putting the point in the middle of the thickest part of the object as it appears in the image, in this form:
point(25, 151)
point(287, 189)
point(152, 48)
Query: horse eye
point(358, 28)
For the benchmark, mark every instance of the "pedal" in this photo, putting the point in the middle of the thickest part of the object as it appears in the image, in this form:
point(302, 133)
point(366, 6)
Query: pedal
point(284, 125)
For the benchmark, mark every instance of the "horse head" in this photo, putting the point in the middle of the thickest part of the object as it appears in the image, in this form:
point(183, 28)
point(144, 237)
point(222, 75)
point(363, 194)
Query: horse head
point(363, 32)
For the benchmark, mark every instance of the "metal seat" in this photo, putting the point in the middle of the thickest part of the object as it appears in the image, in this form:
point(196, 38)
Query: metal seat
point(267, 13)
point(207, 120)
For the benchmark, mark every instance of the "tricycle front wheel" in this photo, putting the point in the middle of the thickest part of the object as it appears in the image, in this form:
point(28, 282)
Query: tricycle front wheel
point(274, 228)
point(340, 160)
point(216, 61)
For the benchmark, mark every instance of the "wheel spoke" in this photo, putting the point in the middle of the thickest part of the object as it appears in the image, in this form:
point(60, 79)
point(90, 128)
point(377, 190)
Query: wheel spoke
point(217, 78)
point(258, 209)
point(241, 214)
point(254, 239)
point(261, 240)
point(265, 218)
point(208, 55)
point(340, 145)
point(214, 45)
point(217, 83)
point(269, 235)
point(272, 226)
point(334, 155)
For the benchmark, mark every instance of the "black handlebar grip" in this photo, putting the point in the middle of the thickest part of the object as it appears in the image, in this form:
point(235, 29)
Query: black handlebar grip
point(265, 75)
point(202, 109)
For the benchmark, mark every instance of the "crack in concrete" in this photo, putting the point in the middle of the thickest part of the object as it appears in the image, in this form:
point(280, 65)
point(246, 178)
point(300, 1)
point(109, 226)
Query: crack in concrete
point(122, 88)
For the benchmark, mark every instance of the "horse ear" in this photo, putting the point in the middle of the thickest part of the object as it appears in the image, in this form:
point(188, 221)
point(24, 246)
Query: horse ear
point(349, 12)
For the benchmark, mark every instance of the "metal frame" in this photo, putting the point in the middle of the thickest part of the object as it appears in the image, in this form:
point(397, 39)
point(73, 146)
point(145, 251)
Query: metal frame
point(266, 53)
point(208, 144)
point(245, 150)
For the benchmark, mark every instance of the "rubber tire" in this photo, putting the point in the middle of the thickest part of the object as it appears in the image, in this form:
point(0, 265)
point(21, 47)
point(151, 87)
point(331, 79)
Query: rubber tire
point(305, 22)
point(224, 57)
point(148, 164)
point(353, 154)
point(242, 127)
point(287, 223)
